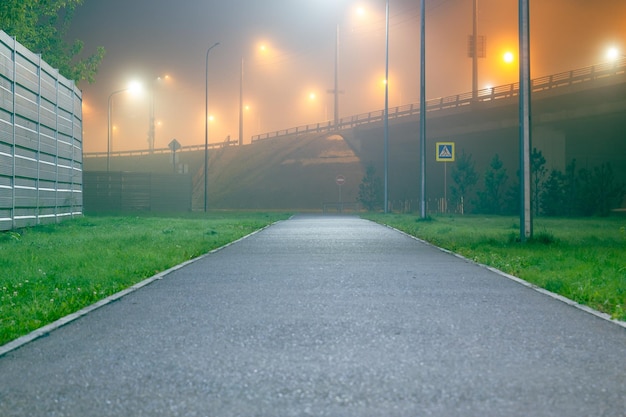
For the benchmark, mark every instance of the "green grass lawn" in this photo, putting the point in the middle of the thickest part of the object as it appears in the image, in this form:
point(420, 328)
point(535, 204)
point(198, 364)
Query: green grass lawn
point(49, 271)
point(581, 259)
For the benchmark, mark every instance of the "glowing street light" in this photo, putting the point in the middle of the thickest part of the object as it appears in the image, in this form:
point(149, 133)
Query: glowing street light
point(613, 54)
point(508, 57)
point(134, 87)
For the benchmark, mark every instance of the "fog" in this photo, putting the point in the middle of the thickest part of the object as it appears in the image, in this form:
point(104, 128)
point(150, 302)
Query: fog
point(148, 39)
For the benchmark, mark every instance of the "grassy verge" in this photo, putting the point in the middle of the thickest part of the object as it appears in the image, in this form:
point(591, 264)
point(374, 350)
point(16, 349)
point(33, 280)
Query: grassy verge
point(581, 259)
point(47, 272)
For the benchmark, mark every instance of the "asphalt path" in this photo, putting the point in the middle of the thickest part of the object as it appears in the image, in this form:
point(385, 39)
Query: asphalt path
point(324, 316)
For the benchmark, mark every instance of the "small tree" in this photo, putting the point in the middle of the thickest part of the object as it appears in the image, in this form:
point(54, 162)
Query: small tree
point(571, 185)
point(599, 191)
point(491, 199)
point(465, 177)
point(553, 195)
point(371, 189)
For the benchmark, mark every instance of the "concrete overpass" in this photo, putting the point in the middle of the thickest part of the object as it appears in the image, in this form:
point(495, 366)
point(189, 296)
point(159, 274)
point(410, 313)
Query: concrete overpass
point(576, 115)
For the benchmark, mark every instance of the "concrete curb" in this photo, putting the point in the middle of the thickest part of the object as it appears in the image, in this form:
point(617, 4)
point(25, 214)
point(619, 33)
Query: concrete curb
point(558, 297)
point(45, 330)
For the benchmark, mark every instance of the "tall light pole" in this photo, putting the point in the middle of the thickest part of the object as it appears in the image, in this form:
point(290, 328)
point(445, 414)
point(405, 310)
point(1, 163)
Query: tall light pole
point(109, 126)
point(336, 90)
point(526, 225)
point(241, 104)
point(134, 86)
point(152, 120)
point(475, 49)
point(206, 125)
point(386, 120)
point(423, 109)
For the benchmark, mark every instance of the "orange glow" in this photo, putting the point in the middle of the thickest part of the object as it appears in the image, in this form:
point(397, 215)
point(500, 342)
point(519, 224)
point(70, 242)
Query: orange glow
point(87, 108)
point(508, 57)
point(612, 53)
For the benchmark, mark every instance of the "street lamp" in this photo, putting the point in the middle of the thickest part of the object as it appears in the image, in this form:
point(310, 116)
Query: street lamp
point(360, 11)
point(241, 104)
point(526, 222)
point(612, 54)
point(133, 87)
point(152, 120)
point(386, 123)
point(423, 109)
point(206, 125)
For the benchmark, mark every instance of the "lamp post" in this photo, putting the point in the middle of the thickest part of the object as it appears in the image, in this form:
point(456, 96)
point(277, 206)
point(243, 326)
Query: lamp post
point(206, 125)
point(134, 86)
point(109, 126)
point(526, 223)
point(335, 90)
point(423, 109)
point(151, 118)
point(241, 104)
point(386, 120)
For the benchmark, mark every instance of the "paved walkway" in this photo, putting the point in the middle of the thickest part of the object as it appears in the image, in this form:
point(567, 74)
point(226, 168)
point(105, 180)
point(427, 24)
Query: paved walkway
point(324, 316)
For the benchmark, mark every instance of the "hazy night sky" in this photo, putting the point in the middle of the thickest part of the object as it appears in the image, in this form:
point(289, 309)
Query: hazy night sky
point(146, 39)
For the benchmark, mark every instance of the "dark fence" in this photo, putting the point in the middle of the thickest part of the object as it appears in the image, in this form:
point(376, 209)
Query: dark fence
point(41, 151)
point(124, 192)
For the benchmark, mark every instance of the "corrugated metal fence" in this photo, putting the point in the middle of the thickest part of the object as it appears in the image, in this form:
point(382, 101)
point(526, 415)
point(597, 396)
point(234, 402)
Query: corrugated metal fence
point(40, 140)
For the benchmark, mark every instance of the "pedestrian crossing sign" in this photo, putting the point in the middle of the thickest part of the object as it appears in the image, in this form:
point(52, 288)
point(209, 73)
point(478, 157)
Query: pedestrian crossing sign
point(445, 151)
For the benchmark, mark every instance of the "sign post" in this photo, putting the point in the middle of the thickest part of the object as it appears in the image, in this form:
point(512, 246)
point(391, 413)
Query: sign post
point(340, 180)
point(445, 154)
point(174, 145)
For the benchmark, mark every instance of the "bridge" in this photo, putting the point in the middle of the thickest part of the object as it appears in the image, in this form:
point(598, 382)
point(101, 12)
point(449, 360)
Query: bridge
point(587, 78)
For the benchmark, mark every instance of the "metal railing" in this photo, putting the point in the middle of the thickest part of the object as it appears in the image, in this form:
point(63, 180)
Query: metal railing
point(160, 151)
point(550, 82)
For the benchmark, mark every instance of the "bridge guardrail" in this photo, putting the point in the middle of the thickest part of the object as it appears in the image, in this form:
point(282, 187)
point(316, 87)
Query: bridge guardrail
point(563, 79)
point(159, 151)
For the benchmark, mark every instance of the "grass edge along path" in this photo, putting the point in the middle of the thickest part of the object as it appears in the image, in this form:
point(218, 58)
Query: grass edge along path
point(51, 271)
point(582, 259)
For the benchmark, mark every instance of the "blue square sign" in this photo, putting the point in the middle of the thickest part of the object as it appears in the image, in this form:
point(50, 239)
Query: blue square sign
point(445, 151)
